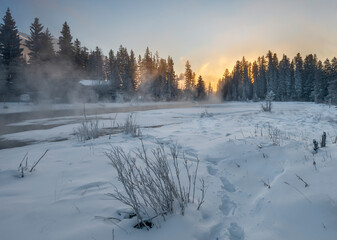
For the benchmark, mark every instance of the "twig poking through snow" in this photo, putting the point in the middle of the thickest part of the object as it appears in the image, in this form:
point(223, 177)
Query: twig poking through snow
point(20, 166)
point(266, 184)
point(314, 163)
point(203, 193)
point(298, 191)
point(305, 183)
point(38, 161)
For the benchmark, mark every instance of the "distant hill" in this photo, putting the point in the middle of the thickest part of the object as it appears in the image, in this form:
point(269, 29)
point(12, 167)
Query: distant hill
point(24, 37)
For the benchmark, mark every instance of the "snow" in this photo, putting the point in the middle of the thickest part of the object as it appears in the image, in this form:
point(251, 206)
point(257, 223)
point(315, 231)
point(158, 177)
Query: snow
point(92, 83)
point(238, 152)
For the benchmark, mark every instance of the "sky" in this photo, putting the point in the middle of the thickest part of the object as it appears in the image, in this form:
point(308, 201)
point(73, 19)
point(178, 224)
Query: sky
point(212, 35)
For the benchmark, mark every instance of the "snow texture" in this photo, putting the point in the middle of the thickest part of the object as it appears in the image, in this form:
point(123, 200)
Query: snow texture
point(65, 196)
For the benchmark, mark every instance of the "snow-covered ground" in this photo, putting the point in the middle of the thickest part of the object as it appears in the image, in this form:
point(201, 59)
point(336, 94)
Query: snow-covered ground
point(241, 150)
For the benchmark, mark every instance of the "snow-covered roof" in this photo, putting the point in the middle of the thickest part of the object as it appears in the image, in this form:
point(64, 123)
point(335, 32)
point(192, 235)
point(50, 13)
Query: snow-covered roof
point(91, 83)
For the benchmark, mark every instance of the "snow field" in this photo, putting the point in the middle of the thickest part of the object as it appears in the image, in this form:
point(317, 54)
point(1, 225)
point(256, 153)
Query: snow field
point(238, 154)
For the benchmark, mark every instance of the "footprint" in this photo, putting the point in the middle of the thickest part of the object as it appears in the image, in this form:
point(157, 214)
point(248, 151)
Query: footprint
point(212, 171)
point(227, 206)
point(227, 185)
point(236, 232)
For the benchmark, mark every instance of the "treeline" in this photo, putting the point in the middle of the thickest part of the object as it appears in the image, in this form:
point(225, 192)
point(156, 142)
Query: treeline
point(55, 75)
point(290, 80)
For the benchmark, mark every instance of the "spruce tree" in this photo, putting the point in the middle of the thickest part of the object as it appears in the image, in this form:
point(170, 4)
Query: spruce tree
point(77, 54)
point(124, 65)
point(34, 42)
point(201, 89)
point(209, 90)
point(309, 69)
point(245, 80)
point(237, 82)
point(189, 85)
point(272, 73)
point(275, 76)
point(284, 83)
point(146, 74)
point(161, 83)
point(47, 48)
point(327, 78)
point(96, 64)
point(318, 89)
point(292, 80)
point(332, 81)
point(66, 51)
point(172, 85)
point(298, 75)
point(133, 72)
point(262, 90)
point(10, 51)
point(110, 65)
point(85, 60)
point(256, 80)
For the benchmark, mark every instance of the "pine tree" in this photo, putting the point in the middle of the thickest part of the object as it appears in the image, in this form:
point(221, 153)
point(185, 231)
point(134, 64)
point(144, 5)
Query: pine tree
point(284, 83)
point(77, 54)
point(96, 64)
point(331, 74)
point(66, 51)
point(110, 63)
point(34, 41)
point(237, 85)
point(133, 72)
point(262, 90)
point(224, 88)
point(309, 69)
point(113, 75)
point(162, 80)
point(256, 80)
point(318, 88)
point(292, 80)
point(41, 59)
point(146, 74)
point(246, 82)
point(124, 65)
point(189, 85)
point(201, 89)
point(209, 90)
point(272, 73)
point(147, 65)
point(327, 72)
point(139, 71)
point(172, 85)
point(47, 52)
point(10, 51)
point(298, 75)
point(275, 76)
point(85, 60)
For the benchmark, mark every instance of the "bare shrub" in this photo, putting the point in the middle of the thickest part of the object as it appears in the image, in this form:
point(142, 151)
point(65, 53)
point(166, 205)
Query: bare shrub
point(274, 135)
point(87, 130)
point(131, 127)
point(23, 167)
point(206, 114)
point(153, 183)
point(269, 98)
